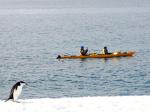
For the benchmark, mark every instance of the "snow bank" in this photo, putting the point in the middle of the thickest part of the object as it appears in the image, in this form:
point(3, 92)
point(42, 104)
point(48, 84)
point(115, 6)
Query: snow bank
point(83, 104)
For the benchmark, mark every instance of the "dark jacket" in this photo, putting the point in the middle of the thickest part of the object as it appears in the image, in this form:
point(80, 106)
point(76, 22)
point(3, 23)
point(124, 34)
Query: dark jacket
point(83, 52)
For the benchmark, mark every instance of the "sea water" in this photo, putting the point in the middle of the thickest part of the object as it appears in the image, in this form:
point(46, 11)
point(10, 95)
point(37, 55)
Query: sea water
point(30, 41)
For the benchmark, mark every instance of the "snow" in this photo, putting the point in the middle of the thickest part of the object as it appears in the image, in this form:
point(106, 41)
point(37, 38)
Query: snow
point(80, 104)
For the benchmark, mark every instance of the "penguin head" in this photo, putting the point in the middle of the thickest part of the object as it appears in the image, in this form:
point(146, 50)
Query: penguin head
point(21, 83)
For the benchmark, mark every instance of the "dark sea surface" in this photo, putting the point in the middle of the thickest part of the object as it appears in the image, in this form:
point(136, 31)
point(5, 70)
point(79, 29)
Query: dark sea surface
point(30, 43)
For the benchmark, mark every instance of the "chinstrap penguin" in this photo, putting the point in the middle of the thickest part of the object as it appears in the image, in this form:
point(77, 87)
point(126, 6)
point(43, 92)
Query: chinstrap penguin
point(16, 91)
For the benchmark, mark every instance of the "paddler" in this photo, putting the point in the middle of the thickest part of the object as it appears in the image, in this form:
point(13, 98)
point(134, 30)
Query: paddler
point(105, 51)
point(83, 51)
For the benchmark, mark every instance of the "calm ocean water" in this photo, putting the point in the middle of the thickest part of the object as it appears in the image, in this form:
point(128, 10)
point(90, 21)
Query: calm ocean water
point(30, 43)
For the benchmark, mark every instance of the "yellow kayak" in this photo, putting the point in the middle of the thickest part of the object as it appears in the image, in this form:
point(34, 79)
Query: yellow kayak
point(95, 55)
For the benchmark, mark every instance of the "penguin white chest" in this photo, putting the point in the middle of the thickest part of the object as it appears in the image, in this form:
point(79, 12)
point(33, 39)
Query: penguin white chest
point(17, 92)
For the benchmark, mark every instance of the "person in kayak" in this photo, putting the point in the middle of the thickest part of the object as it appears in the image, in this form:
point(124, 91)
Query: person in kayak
point(83, 51)
point(105, 51)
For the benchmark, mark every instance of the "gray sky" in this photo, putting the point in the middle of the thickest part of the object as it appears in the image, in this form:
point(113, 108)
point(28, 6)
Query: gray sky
point(47, 4)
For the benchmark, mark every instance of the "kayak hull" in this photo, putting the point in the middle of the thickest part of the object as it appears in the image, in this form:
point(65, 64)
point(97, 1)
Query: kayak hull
point(125, 54)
